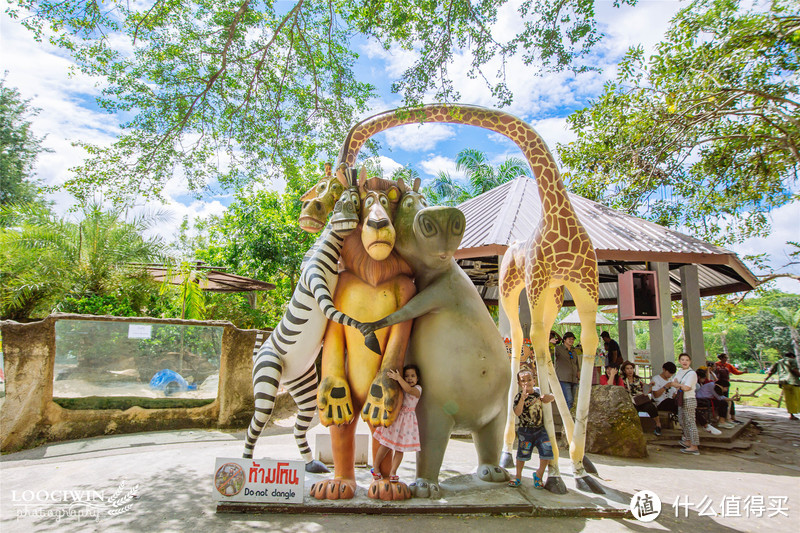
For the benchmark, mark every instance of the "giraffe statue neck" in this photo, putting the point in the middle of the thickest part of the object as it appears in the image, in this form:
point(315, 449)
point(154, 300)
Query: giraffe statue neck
point(553, 194)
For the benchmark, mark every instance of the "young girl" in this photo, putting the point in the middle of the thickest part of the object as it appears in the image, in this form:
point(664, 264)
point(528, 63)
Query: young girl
point(403, 435)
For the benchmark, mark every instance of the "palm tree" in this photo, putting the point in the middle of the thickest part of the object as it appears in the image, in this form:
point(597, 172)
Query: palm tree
point(45, 258)
point(481, 177)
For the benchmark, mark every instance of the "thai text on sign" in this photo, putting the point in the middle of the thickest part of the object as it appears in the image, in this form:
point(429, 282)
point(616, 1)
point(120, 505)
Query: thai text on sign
point(258, 481)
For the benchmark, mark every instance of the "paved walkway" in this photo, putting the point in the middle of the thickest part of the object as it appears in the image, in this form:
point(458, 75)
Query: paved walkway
point(173, 471)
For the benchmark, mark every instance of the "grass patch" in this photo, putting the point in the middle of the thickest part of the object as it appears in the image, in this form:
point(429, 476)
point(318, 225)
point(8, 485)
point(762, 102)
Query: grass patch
point(126, 402)
point(765, 396)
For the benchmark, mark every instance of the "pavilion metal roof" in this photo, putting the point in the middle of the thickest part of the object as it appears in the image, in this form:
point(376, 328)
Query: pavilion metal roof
point(622, 242)
point(213, 279)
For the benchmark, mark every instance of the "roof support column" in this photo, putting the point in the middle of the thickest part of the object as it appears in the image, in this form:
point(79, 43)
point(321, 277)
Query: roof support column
point(662, 348)
point(692, 315)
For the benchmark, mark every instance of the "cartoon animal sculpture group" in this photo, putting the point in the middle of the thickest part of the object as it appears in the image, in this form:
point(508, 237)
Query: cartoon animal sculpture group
point(454, 341)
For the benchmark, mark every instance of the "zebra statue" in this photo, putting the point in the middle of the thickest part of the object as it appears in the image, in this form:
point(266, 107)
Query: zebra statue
point(291, 350)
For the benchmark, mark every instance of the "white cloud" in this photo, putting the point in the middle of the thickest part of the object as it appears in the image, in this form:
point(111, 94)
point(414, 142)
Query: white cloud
point(43, 74)
point(388, 165)
point(396, 59)
point(436, 163)
point(418, 137)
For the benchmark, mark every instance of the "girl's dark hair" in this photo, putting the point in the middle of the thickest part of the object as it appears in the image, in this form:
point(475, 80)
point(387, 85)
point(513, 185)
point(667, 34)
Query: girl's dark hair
point(617, 378)
point(415, 368)
point(627, 364)
point(686, 354)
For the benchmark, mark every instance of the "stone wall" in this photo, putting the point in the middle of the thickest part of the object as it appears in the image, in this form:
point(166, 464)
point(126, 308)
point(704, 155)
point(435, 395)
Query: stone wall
point(30, 417)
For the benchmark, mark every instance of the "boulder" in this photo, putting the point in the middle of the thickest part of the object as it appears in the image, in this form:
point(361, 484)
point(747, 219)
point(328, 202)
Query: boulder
point(614, 427)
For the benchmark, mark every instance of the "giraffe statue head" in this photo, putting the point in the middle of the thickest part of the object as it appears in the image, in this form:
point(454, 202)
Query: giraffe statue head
point(319, 200)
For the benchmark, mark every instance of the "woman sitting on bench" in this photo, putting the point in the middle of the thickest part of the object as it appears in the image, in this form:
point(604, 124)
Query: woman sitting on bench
point(635, 387)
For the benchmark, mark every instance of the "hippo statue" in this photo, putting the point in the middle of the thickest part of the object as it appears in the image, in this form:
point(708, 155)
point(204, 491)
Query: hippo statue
point(454, 342)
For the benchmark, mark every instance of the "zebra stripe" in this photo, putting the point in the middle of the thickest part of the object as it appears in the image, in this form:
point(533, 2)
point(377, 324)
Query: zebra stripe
point(311, 296)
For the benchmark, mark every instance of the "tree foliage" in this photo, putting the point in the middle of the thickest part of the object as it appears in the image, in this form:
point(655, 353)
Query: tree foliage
point(749, 330)
point(241, 90)
point(44, 259)
point(705, 133)
point(19, 148)
point(258, 236)
point(481, 175)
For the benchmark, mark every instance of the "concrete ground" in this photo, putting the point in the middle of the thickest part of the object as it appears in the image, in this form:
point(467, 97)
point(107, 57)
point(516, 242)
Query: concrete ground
point(174, 469)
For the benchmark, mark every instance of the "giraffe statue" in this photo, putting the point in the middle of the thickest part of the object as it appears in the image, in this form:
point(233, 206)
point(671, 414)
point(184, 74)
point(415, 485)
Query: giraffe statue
point(558, 255)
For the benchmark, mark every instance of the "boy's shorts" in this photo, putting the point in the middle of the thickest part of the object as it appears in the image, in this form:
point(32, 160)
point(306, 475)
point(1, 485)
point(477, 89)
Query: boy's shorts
point(530, 437)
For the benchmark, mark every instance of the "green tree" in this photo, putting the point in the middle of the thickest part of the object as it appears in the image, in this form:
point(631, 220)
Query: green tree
point(19, 148)
point(240, 91)
point(791, 320)
point(703, 134)
point(258, 237)
point(47, 259)
point(481, 175)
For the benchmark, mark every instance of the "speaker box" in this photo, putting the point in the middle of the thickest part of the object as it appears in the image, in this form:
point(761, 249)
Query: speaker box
point(638, 295)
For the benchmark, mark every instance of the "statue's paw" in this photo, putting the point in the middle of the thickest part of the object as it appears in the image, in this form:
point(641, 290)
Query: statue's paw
point(366, 328)
point(383, 400)
point(316, 467)
point(385, 490)
point(423, 488)
point(492, 474)
point(335, 405)
point(334, 489)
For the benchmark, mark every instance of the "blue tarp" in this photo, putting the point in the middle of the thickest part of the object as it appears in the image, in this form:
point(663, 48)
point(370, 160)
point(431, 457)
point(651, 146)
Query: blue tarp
point(162, 378)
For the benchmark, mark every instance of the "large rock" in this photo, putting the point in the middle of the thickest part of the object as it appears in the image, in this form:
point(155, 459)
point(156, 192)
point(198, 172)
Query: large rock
point(614, 427)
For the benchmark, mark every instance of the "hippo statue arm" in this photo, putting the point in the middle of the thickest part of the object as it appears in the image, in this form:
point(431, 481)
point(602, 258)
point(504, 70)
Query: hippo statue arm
point(424, 302)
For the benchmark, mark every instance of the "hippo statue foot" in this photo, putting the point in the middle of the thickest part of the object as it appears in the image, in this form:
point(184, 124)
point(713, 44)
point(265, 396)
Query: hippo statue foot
point(315, 467)
point(334, 489)
point(385, 490)
point(555, 485)
point(507, 460)
point(422, 488)
point(492, 474)
point(589, 484)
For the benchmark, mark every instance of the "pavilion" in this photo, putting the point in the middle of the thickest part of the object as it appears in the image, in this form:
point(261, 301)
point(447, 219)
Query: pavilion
point(686, 268)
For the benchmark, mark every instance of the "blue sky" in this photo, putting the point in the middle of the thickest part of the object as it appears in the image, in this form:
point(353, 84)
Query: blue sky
point(68, 114)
